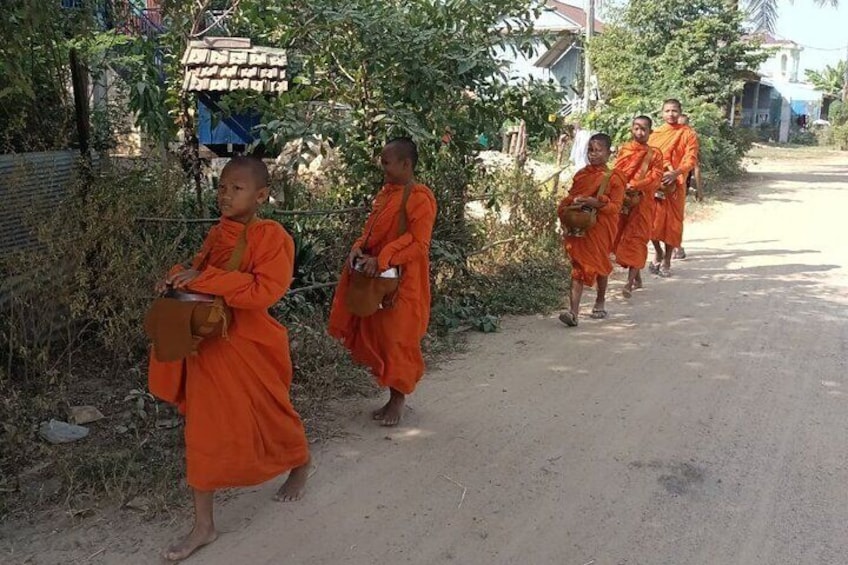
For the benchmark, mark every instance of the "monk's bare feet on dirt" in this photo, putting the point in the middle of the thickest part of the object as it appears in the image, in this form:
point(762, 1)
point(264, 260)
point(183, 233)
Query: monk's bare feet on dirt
point(392, 412)
point(295, 484)
point(199, 536)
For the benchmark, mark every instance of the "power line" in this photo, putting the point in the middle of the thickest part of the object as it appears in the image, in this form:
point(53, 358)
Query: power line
point(812, 48)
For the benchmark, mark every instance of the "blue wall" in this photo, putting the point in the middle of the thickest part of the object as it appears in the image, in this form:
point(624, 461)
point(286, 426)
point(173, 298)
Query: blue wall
point(216, 129)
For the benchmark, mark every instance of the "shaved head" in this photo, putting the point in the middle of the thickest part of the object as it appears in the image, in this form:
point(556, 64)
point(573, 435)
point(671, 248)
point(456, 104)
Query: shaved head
point(603, 139)
point(674, 102)
point(648, 121)
point(255, 168)
point(406, 149)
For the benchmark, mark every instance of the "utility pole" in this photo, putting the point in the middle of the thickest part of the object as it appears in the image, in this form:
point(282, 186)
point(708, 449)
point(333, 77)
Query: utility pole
point(587, 65)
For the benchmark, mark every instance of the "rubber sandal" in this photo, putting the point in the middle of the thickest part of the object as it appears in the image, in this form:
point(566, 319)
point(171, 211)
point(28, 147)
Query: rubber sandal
point(598, 314)
point(568, 319)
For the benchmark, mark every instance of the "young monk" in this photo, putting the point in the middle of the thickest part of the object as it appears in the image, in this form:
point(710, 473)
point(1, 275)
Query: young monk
point(389, 341)
point(241, 428)
point(642, 166)
point(679, 146)
point(590, 254)
point(693, 180)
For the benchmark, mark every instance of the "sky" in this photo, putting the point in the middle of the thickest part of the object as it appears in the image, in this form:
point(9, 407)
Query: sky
point(823, 31)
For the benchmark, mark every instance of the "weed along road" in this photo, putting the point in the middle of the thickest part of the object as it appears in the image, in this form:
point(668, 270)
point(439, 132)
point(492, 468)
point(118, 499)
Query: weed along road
point(703, 423)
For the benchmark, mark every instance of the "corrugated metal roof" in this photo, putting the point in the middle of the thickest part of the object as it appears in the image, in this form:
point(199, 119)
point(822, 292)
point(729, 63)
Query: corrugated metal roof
point(31, 183)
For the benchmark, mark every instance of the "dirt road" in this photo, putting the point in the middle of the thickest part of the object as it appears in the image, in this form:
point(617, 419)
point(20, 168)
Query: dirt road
point(703, 423)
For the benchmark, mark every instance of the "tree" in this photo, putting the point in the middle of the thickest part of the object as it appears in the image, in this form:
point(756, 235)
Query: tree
point(830, 80)
point(763, 13)
point(693, 50)
point(36, 107)
point(370, 69)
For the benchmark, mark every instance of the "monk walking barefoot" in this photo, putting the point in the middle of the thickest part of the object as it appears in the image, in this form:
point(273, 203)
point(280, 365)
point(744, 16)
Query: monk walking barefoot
point(679, 146)
point(642, 167)
point(602, 189)
point(693, 180)
point(241, 428)
point(396, 238)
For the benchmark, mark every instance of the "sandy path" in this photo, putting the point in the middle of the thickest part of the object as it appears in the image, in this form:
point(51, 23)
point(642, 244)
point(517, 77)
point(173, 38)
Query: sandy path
point(703, 423)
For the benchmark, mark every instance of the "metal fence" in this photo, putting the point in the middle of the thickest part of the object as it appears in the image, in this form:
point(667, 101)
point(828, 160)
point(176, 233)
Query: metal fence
point(31, 184)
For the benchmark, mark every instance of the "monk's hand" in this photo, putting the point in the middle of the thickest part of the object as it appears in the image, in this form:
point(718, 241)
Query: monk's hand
point(670, 177)
point(161, 286)
point(355, 254)
point(593, 202)
point(369, 266)
point(183, 278)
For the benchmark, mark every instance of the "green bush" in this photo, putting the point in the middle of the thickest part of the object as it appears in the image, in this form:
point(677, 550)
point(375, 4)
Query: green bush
point(839, 136)
point(803, 137)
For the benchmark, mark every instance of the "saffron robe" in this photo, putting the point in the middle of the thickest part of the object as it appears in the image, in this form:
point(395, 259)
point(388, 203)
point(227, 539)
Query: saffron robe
point(240, 426)
point(590, 255)
point(679, 146)
point(634, 229)
point(389, 341)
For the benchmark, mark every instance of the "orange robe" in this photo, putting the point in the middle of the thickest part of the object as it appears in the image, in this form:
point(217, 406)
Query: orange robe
point(634, 229)
point(679, 146)
point(590, 255)
point(389, 341)
point(241, 428)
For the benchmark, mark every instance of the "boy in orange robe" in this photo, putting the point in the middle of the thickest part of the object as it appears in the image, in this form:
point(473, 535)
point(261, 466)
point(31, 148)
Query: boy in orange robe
point(642, 166)
point(389, 341)
point(240, 426)
point(590, 254)
point(693, 179)
point(679, 146)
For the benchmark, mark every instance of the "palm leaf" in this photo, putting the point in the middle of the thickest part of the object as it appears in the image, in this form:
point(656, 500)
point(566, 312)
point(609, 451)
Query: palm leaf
point(763, 14)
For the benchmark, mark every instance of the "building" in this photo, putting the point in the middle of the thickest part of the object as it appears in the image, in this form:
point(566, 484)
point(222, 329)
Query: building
point(560, 59)
point(775, 100)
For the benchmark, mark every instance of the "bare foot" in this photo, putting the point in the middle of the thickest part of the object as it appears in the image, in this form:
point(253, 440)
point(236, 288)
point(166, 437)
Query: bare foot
point(295, 484)
point(380, 413)
point(392, 412)
point(197, 538)
point(627, 292)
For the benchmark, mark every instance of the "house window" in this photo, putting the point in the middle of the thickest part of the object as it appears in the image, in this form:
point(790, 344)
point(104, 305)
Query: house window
point(784, 60)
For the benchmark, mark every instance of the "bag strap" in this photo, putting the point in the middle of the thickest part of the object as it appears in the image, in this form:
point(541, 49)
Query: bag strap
point(202, 256)
point(402, 223)
point(404, 220)
point(646, 162)
point(604, 184)
point(241, 246)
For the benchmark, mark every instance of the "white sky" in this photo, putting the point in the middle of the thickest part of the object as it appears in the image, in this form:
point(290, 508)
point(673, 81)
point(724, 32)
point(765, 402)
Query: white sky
point(824, 28)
